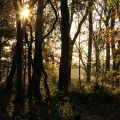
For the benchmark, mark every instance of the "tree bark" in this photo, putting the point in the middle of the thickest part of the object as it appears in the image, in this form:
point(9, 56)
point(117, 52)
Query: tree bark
point(107, 57)
point(107, 14)
point(37, 65)
point(0, 57)
point(24, 65)
point(65, 38)
point(30, 62)
point(47, 91)
point(97, 57)
point(19, 58)
point(89, 48)
point(70, 62)
point(113, 43)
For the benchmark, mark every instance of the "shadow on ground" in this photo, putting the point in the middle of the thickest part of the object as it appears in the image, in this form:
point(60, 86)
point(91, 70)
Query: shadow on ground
point(73, 106)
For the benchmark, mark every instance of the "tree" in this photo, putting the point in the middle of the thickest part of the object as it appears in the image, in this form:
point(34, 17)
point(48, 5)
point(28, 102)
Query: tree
point(19, 50)
point(89, 47)
point(30, 61)
point(68, 43)
point(38, 60)
point(64, 60)
point(98, 43)
point(7, 31)
point(113, 32)
point(106, 22)
point(0, 57)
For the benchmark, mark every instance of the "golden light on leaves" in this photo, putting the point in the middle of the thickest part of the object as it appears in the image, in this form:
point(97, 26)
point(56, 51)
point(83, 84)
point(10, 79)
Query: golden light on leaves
point(111, 35)
point(115, 14)
point(111, 3)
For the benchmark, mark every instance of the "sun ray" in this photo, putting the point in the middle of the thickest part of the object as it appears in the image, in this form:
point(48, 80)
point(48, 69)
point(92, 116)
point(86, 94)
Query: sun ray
point(25, 13)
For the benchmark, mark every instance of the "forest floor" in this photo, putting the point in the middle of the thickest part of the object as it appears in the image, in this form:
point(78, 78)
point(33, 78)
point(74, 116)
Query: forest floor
point(73, 106)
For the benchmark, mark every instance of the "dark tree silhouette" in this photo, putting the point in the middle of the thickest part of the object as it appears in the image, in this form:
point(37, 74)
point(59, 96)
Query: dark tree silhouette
point(0, 54)
point(37, 65)
point(64, 60)
point(90, 41)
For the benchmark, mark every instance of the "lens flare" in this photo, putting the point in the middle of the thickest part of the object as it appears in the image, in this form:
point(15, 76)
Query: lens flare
point(25, 13)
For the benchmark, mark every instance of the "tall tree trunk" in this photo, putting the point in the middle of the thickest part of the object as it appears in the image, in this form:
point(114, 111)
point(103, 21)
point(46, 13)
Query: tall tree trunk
point(70, 62)
point(19, 58)
point(37, 65)
point(0, 56)
point(107, 57)
point(97, 57)
point(79, 66)
point(30, 62)
point(89, 47)
point(113, 42)
point(64, 60)
point(114, 55)
point(24, 66)
point(107, 13)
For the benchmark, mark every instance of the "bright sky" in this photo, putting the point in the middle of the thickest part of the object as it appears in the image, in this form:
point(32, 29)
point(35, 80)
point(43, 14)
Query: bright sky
point(25, 13)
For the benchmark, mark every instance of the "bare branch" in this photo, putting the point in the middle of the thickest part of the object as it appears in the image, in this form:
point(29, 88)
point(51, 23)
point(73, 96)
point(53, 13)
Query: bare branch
point(80, 24)
point(56, 19)
point(80, 57)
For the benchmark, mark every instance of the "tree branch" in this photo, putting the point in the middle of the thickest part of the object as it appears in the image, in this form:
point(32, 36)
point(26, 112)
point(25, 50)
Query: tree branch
point(82, 21)
point(53, 26)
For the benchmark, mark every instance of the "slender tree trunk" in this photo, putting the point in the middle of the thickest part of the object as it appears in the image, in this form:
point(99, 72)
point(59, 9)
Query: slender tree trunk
point(107, 40)
point(79, 66)
point(115, 57)
point(30, 63)
point(70, 62)
point(19, 58)
point(37, 65)
point(47, 91)
point(113, 43)
point(65, 38)
point(97, 57)
point(97, 65)
point(0, 58)
point(89, 47)
point(107, 57)
point(25, 66)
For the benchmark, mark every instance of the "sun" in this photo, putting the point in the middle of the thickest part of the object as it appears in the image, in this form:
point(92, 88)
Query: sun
point(25, 13)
